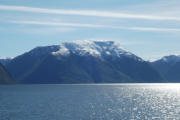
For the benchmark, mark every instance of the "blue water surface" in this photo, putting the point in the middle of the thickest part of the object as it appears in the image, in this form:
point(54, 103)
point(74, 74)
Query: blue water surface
point(90, 102)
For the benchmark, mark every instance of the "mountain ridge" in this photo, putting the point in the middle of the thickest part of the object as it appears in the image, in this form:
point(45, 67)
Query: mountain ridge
point(81, 62)
point(169, 67)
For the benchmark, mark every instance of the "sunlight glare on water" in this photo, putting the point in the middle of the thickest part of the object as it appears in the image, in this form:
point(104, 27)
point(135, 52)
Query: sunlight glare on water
point(92, 102)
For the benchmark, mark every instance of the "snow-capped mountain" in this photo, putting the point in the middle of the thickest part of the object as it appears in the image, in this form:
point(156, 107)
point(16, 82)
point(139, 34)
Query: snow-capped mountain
point(169, 67)
point(170, 59)
point(81, 61)
point(96, 48)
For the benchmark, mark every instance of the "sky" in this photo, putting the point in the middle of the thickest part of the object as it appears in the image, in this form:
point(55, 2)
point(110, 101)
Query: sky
point(147, 28)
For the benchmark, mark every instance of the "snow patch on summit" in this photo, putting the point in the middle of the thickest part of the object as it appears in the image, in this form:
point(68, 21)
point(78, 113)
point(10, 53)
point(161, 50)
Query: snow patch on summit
point(171, 58)
point(96, 48)
point(63, 51)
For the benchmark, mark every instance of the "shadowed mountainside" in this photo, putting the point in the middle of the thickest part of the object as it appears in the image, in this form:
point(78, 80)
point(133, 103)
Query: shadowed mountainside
point(82, 62)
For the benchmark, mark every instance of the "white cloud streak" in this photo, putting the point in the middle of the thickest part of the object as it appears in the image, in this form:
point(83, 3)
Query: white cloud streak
point(87, 13)
point(154, 29)
point(95, 26)
point(58, 24)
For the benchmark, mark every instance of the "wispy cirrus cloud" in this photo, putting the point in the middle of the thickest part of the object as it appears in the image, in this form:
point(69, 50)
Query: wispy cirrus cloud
point(58, 24)
point(154, 29)
point(95, 26)
point(87, 13)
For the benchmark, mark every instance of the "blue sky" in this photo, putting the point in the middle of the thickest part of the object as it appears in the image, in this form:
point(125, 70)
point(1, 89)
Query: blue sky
point(147, 28)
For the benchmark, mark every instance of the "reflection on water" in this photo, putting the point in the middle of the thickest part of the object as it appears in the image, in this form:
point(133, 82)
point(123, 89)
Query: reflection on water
point(90, 102)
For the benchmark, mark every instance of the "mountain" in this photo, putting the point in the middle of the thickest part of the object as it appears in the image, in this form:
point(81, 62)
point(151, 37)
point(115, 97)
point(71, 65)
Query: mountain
point(5, 61)
point(82, 62)
point(4, 76)
point(169, 67)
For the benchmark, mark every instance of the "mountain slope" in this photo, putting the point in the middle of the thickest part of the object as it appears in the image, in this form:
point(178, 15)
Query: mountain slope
point(4, 76)
point(169, 67)
point(173, 74)
point(81, 62)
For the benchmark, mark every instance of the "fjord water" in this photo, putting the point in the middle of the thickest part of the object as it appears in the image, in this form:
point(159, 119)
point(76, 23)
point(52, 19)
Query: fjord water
point(90, 102)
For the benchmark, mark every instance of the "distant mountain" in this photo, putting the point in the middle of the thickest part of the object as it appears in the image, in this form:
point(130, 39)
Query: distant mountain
point(82, 62)
point(4, 76)
point(169, 67)
point(5, 60)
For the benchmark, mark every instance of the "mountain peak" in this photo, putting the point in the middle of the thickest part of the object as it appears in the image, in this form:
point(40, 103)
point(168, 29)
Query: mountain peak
point(95, 48)
point(171, 58)
point(88, 61)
